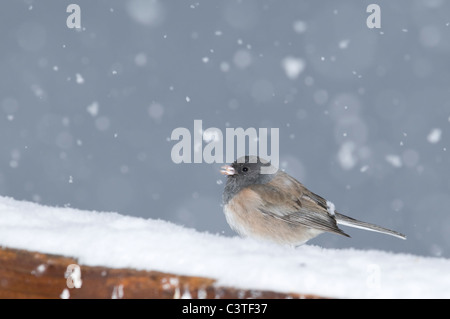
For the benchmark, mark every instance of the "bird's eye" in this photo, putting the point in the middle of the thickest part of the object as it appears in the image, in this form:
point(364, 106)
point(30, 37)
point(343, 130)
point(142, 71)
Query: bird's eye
point(245, 169)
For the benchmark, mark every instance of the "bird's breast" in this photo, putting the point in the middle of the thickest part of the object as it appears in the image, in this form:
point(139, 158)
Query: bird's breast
point(244, 216)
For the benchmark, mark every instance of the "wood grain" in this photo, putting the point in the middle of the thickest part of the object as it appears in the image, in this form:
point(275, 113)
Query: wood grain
point(25, 274)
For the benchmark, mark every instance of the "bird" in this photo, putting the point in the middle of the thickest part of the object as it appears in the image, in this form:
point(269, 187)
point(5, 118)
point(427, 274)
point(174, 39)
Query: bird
point(263, 202)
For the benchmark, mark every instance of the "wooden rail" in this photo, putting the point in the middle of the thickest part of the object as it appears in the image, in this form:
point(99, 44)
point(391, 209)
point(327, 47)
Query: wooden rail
point(25, 274)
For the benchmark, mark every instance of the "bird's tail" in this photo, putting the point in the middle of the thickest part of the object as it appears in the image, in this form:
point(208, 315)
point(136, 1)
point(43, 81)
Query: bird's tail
point(348, 221)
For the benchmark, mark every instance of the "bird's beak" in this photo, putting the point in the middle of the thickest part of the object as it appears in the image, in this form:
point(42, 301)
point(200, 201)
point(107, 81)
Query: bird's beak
point(227, 170)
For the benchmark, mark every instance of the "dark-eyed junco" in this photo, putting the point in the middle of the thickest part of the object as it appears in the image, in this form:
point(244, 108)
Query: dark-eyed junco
point(279, 208)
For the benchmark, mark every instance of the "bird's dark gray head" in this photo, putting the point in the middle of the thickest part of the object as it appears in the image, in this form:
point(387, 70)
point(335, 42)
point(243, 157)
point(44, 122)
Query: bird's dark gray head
point(246, 171)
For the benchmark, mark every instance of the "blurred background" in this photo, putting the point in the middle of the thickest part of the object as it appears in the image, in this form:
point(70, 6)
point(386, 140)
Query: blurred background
point(364, 114)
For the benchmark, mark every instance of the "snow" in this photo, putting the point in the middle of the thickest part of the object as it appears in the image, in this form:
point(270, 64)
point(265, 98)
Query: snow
point(118, 241)
point(293, 66)
point(224, 66)
point(394, 160)
point(242, 59)
point(331, 208)
point(434, 136)
point(79, 78)
point(343, 44)
point(140, 59)
point(93, 108)
point(299, 26)
point(39, 270)
point(346, 157)
point(148, 13)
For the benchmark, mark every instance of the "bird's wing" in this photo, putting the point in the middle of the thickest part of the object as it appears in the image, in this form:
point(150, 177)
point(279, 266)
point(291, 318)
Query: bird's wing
point(287, 199)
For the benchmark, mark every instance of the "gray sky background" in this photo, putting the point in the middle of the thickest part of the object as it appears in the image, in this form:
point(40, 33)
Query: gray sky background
point(363, 114)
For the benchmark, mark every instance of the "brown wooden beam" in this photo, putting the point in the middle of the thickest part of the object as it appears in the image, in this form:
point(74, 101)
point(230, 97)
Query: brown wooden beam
point(26, 274)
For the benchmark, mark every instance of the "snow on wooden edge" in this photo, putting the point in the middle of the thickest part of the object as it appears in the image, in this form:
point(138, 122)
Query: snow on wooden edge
point(118, 241)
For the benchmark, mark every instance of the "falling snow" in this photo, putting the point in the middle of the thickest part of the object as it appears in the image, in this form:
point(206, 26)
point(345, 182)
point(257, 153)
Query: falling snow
point(93, 108)
point(293, 67)
point(394, 160)
point(79, 79)
point(299, 26)
point(434, 136)
point(87, 116)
